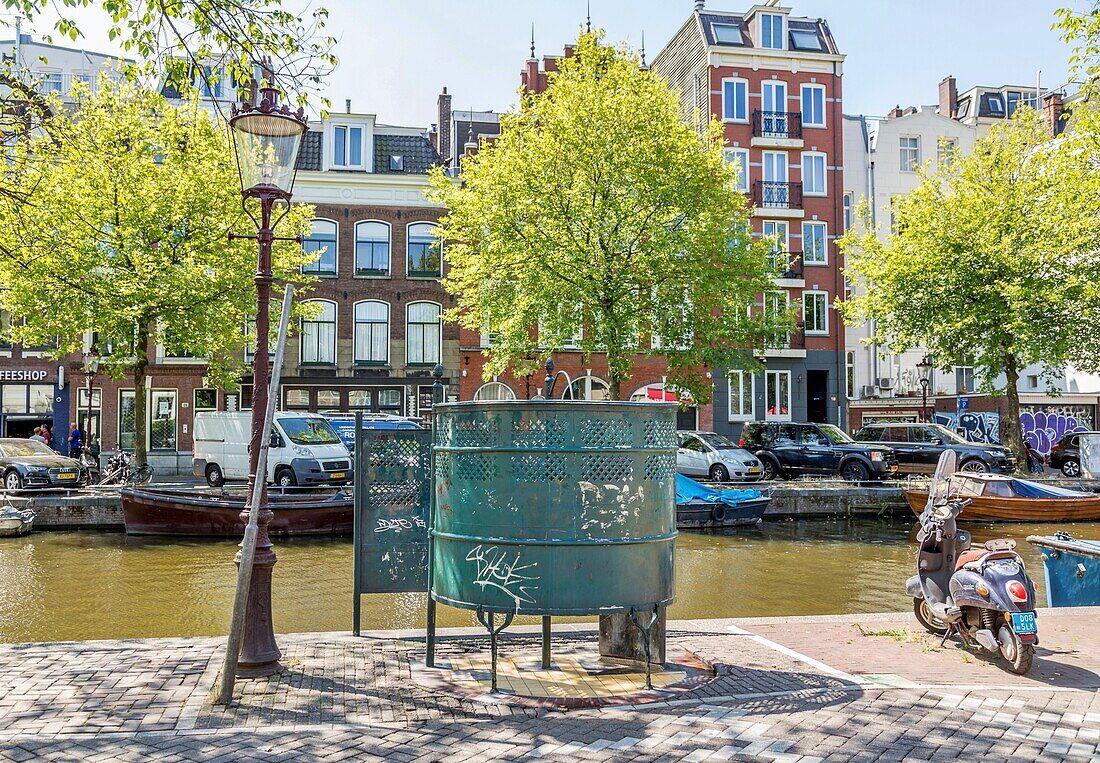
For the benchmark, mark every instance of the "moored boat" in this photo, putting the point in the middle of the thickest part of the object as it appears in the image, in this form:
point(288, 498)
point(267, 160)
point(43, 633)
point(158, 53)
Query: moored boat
point(1072, 567)
point(161, 511)
point(15, 522)
point(698, 506)
point(1000, 498)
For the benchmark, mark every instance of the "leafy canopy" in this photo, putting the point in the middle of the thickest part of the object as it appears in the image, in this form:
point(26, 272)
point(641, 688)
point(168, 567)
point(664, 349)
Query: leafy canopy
point(599, 213)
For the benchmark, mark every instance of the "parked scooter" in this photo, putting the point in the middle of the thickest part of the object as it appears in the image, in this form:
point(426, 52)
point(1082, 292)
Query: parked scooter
point(983, 595)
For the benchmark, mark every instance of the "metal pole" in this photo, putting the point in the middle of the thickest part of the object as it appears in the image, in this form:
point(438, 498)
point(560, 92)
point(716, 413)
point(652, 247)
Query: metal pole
point(356, 524)
point(546, 642)
point(429, 636)
point(242, 598)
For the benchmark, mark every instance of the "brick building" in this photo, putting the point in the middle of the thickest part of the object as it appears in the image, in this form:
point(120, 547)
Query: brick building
point(775, 82)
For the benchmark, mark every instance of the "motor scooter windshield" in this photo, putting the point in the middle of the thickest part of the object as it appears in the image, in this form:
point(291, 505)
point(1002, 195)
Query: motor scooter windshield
point(939, 488)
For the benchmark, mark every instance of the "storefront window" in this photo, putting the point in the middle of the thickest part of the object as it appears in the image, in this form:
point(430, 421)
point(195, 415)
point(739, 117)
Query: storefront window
point(358, 398)
point(162, 424)
point(297, 398)
point(328, 398)
point(41, 398)
point(126, 420)
point(90, 427)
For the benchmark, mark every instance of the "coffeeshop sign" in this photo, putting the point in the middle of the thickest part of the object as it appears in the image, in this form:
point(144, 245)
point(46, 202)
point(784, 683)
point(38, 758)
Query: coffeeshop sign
point(22, 375)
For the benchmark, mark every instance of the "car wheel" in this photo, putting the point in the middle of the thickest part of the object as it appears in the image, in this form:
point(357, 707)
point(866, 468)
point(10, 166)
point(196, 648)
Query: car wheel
point(974, 466)
point(854, 471)
point(769, 470)
point(284, 477)
point(13, 480)
point(719, 473)
point(1071, 467)
point(214, 476)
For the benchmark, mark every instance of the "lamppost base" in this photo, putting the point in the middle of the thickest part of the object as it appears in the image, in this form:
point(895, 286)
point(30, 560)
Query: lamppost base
point(259, 652)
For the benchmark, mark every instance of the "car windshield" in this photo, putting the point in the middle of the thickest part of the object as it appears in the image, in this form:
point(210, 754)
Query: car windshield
point(716, 441)
point(309, 431)
point(948, 436)
point(835, 433)
point(19, 448)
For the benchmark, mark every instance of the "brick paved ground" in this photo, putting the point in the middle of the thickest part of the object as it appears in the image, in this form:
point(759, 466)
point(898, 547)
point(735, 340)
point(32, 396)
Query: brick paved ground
point(802, 689)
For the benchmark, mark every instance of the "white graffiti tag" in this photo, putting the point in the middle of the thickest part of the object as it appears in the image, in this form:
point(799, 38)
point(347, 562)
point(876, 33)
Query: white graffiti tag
point(496, 569)
point(397, 525)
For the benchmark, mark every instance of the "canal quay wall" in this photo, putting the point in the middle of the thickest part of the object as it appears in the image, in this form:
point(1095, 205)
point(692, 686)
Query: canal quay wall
point(791, 690)
point(99, 510)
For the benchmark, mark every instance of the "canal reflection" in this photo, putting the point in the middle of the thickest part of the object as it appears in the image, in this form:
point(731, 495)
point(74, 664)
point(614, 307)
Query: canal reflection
point(72, 585)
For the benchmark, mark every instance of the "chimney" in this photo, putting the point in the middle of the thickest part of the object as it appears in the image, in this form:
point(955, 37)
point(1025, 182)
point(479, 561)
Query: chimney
point(433, 136)
point(347, 105)
point(443, 106)
point(894, 113)
point(1053, 111)
point(949, 96)
point(699, 5)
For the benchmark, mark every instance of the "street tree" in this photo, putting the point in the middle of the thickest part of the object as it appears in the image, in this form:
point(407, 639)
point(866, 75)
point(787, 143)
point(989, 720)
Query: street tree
point(991, 262)
point(599, 214)
point(121, 235)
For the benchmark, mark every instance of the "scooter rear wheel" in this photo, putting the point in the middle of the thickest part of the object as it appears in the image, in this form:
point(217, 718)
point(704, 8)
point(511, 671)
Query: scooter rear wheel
point(927, 618)
point(1021, 655)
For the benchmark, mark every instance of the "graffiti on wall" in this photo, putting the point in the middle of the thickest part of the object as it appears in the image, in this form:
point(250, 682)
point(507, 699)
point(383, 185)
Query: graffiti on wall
point(983, 426)
point(1044, 428)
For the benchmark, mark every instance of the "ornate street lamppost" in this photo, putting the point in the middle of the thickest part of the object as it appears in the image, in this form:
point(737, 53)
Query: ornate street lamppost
point(924, 369)
point(91, 366)
point(266, 139)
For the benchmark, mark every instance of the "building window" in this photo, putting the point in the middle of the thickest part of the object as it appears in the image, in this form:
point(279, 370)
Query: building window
point(297, 398)
point(850, 375)
point(372, 333)
point(89, 426)
point(996, 105)
point(397, 163)
point(771, 31)
point(162, 419)
point(777, 303)
point(814, 243)
point(948, 150)
point(321, 244)
point(589, 388)
point(964, 380)
point(372, 249)
point(206, 400)
point(494, 390)
point(319, 335)
point(328, 399)
point(813, 106)
point(777, 396)
point(742, 388)
point(1032, 381)
point(425, 257)
point(806, 40)
point(424, 333)
point(347, 146)
point(813, 174)
point(735, 100)
point(739, 157)
point(775, 167)
point(910, 153)
point(780, 233)
point(815, 312)
point(848, 211)
point(210, 82)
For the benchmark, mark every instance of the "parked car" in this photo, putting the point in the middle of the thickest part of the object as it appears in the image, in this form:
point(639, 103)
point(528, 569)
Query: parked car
point(791, 450)
point(32, 464)
point(1066, 454)
point(707, 454)
point(918, 447)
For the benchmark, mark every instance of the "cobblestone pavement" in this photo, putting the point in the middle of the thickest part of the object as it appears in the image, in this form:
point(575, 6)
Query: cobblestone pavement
point(801, 689)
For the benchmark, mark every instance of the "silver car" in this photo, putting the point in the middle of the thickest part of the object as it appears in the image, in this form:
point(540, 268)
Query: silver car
point(711, 455)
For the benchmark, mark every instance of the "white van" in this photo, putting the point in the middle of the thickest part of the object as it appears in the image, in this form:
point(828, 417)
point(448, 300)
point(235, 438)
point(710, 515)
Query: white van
point(304, 450)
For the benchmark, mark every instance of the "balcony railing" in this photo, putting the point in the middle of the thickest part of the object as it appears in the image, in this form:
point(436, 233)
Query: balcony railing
point(777, 124)
point(772, 195)
point(786, 265)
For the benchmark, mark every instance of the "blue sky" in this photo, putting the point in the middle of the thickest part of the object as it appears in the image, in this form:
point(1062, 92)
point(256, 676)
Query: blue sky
point(396, 55)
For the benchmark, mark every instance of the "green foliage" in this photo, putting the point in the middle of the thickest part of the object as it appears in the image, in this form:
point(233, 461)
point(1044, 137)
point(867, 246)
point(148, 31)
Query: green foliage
point(1082, 30)
point(120, 227)
point(177, 33)
point(597, 209)
point(992, 263)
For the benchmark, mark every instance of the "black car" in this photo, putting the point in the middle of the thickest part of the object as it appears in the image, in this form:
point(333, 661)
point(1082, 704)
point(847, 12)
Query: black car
point(1066, 454)
point(29, 463)
point(791, 450)
point(918, 447)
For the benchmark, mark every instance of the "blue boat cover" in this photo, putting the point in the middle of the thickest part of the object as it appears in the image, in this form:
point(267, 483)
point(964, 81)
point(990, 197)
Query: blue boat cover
point(688, 490)
point(1028, 489)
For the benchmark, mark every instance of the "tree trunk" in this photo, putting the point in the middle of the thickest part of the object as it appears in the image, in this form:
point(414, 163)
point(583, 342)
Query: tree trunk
point(614, 388)
point(1011, 425)
point(141, 394)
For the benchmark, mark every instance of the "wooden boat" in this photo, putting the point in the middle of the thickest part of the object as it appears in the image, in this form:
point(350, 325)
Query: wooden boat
point(1001, 498)
point(698, 506)
point(153, 511)
point(15, 522)
point(1073, 569)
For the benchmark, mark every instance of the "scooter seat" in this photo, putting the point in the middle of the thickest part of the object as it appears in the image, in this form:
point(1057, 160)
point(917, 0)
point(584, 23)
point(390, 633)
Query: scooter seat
point(979, 555)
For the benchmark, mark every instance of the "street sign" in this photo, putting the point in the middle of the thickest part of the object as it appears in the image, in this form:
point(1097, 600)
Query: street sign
point(964, 404)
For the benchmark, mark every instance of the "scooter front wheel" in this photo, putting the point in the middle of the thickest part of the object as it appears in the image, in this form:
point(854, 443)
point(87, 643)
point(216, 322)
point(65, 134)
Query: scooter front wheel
point(1019, 654)
point(927, 618)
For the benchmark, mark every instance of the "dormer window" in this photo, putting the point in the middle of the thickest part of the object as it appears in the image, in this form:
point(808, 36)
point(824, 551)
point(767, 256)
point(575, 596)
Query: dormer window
point(805, 40)
point(347, 147)
point(727, 34)
point(996, 105)
point(397, 164)
point(209, 82)
point(771, 31)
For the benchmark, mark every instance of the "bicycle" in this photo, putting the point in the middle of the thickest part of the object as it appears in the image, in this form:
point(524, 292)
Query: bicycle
point(120, 470)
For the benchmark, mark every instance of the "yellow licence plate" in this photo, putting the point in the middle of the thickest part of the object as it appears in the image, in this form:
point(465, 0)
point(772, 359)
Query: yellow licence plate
point(338, 475)
point(753, 470)
point(66, 475)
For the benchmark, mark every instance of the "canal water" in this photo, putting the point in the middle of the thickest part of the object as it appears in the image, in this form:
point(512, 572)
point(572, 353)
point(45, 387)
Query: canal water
point(59, 586)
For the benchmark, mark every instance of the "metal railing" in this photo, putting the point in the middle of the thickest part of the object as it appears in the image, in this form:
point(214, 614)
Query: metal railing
point(786, 265)
point(773, 195)
point(777, 124)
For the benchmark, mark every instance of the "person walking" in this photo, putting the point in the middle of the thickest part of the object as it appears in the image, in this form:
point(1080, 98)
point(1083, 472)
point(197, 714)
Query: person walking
point(46, 434)
point(37, 436)
point(75, 442)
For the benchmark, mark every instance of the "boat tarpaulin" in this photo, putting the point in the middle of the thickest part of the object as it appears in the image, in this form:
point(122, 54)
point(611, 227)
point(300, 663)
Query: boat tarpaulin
point(688, 490)
point(1028, 489)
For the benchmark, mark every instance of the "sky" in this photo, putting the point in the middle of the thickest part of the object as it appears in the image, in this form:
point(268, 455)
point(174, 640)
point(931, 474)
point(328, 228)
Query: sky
point(396, 55)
